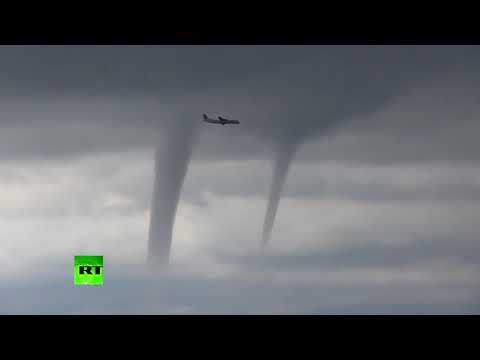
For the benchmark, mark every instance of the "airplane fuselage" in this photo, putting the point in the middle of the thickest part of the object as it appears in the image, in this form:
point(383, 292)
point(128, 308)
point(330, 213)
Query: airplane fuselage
point(212, 121)
point(221, 121)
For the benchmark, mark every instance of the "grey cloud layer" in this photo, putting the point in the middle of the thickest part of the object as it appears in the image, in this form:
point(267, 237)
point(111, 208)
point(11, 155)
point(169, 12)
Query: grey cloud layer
point(381, 206)
point(357, 182)
point(130, 293)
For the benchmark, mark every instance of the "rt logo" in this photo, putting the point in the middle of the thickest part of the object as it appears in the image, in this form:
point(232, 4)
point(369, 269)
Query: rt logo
point(88, 270)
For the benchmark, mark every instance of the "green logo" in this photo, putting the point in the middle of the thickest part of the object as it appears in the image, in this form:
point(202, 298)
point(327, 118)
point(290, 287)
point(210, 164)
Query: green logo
point(88, 270)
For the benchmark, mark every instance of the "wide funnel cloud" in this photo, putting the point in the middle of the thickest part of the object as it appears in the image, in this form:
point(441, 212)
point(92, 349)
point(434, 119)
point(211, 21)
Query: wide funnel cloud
point(172, 157)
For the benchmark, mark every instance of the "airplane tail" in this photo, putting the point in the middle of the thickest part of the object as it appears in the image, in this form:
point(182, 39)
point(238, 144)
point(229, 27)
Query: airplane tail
point(205, 117)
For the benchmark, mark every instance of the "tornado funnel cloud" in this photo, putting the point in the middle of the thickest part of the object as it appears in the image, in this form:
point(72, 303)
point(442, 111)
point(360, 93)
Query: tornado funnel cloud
point(281, 164)
point(172, 157)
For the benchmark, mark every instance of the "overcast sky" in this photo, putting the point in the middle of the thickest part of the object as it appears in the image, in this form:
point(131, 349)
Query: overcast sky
point(380, 210)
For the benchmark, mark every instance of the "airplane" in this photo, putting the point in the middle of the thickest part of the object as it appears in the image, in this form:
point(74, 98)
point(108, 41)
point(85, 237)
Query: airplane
point(220, 120)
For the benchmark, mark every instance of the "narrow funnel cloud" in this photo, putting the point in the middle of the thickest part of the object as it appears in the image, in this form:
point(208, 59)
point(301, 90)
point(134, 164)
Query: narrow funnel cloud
point(281, 164)
point(172, 157)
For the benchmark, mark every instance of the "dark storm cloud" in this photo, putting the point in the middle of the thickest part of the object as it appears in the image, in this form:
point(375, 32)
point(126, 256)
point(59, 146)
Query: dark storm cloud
point(70, 100)
point(338, 83)
point(86, 71)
